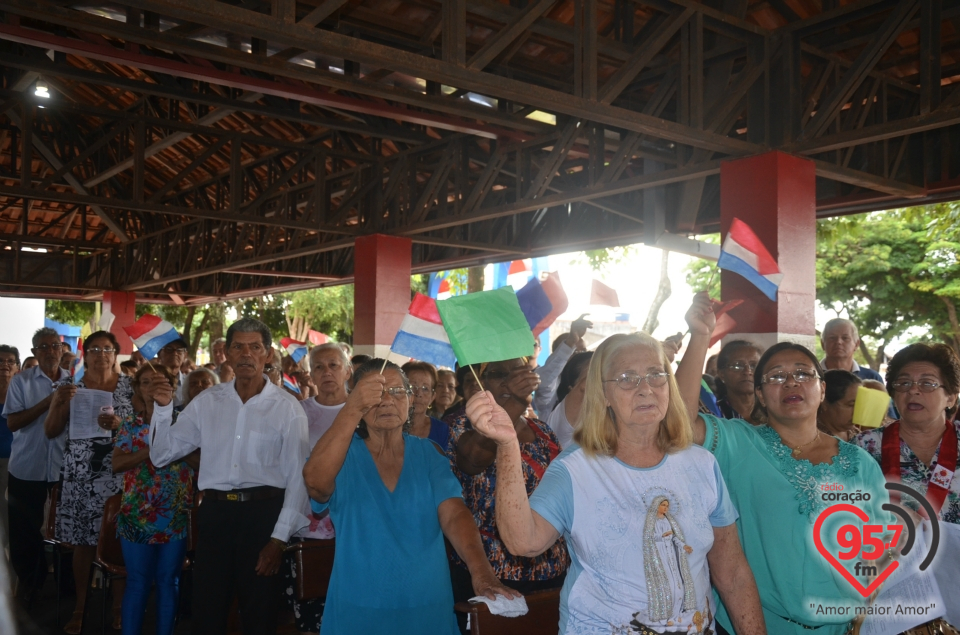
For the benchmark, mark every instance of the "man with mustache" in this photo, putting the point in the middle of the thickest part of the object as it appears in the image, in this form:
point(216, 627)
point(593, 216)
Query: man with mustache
point(253, 438)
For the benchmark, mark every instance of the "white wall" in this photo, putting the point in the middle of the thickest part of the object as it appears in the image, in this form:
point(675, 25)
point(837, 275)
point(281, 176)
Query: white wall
point(19, 320)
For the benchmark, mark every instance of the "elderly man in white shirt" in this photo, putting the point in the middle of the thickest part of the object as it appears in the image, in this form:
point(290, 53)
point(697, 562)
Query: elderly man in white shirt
point(35, 460)
point(253, 438)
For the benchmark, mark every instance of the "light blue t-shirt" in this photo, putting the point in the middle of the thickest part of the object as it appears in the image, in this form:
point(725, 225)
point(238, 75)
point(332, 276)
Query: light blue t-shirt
point(390, 572)
point(638, 539)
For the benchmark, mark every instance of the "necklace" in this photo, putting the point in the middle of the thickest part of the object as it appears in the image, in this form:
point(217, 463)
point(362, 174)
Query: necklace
point(797, 451)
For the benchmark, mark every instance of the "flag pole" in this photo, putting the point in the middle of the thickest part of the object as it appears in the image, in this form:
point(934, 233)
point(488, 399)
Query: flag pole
point(386, 358)
point(475, 376)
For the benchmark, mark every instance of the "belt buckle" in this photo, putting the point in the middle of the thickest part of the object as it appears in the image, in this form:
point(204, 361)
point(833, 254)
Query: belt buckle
point(233, 497)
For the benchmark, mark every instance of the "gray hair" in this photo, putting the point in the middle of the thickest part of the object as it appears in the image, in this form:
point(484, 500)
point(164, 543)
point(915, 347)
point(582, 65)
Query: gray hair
point(219, 340)
point(44, 332)
point(11, 350)
point(330, 346)
point(250, 325)
point(835, 322)
point(200, 371)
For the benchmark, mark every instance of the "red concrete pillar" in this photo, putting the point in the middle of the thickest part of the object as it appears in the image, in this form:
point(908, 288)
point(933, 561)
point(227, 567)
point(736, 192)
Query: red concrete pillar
point(381, 278)
point(775, 194)
point(123, 306)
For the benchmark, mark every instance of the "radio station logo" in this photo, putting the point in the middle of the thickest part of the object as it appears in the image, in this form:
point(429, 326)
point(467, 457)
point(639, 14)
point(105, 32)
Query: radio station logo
point(862, 543)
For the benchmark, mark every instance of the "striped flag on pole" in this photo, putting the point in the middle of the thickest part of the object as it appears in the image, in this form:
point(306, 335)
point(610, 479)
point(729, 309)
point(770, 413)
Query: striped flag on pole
point(150, 334)
point(421, 335)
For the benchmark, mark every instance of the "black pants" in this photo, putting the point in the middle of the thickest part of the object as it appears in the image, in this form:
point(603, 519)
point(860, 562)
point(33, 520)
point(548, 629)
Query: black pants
point(463, 588)
point(25, 510)
point(230, 538)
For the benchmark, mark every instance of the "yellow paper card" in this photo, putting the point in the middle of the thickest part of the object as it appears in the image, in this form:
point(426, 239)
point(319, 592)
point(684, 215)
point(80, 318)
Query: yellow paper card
point(870, 407)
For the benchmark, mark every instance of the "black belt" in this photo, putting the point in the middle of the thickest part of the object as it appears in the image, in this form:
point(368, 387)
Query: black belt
point(244, 495)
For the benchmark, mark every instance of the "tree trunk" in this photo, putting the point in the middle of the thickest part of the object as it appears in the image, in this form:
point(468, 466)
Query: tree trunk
point(298, 327)
point(954, 324)
point(194, 342)
point(871, 360)
point(187, 333)
point(474, 279)
point(663, 292)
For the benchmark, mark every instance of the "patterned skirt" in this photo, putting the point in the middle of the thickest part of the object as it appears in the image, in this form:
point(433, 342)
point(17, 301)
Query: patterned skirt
point(86, 482)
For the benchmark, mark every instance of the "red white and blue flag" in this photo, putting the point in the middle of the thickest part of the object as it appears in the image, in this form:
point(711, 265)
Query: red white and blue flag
point(76, 369)
point(743, 253)
point(296, 350)
point(421, 335)
point(290, 383)
point(150, 334)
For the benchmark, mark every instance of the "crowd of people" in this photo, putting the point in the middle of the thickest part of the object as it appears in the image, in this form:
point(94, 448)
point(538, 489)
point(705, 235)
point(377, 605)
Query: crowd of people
point(661, 499)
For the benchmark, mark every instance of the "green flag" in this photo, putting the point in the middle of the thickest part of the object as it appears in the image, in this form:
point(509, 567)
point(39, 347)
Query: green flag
point(486, 327)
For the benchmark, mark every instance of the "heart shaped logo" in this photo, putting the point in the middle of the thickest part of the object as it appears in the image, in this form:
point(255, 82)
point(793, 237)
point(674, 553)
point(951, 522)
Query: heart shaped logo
point(865, 591)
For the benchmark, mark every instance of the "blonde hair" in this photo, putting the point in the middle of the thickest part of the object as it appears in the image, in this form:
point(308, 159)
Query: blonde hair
point(597, 432)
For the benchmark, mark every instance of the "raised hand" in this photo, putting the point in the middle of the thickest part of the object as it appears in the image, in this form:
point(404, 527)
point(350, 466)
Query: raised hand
point(489, 419)
point(521, 383)
point(163, 393)
point(672, 346)
point(580, 325)
point(367, 393)
point(700, 317)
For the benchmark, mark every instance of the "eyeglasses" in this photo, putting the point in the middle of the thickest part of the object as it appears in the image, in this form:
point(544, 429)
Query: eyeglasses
point(631, 381)
point(780, 376)
point(397, 391)
point(421, 389)
point(97, 350)
point(43, 348)
point(739, 367)
point(173, 349)
point(268, 368)
point(495, 375)
point(8, 362)
point(925, 385)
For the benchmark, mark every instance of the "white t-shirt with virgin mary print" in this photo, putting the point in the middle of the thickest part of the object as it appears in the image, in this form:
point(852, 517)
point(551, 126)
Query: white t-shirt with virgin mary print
point(638, 540)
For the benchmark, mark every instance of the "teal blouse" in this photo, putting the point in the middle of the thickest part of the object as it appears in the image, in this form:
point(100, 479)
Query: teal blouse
point(779, 498)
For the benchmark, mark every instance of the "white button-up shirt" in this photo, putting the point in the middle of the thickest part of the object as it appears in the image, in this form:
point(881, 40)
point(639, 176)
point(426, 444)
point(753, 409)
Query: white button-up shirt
point(180, 395)
point(33, 457)
point(260, 442)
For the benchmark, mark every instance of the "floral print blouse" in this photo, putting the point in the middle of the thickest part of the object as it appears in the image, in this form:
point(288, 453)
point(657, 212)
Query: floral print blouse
point(913, 473)
point(153, 509)
point(479, 495)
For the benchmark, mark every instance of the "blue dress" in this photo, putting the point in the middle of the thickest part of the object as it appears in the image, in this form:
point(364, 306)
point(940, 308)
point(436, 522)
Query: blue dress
point(390, 572)
point(439, 433)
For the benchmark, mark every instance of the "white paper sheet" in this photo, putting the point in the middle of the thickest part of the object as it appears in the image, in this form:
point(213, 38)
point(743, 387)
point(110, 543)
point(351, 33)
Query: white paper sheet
point(946, 567)
point(906, 589)
point(84, 410)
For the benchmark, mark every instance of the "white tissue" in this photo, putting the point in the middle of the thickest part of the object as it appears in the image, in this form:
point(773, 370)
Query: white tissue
point(503, 605)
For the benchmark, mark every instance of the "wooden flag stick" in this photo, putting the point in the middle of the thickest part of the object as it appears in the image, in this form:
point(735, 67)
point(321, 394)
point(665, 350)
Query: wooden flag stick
point(475, 376)
point(710, 280)
point(385, 359)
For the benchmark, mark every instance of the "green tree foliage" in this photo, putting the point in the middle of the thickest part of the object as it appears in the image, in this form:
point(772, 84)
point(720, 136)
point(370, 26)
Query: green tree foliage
point(703, 275)
point(328, 310)
point(603, 259)
point(69, 312)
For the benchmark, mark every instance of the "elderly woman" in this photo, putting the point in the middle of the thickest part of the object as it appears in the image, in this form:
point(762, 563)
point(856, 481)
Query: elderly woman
point(392, 499)
point(646, 515)
point(423, 382)
point(153, 519)
point(570, 391)
point(736, 365)
point(465, 387)
point(924, 381)
point(198, 381)
point(792, 459)
point(87, 479)
point(446, 394)
point(835, 415)
point(474, 455)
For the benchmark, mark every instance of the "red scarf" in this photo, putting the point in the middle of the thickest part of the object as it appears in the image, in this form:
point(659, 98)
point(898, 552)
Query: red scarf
point(940, 478)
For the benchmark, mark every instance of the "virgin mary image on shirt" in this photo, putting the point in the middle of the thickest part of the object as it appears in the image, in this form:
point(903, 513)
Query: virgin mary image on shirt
point(670, 586)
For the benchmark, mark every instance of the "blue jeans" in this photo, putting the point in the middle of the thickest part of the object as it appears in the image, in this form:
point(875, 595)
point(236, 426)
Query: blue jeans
point(145, 565)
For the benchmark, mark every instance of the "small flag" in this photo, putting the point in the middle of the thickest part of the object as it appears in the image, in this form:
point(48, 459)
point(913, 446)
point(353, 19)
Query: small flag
point(290, 383)
point(76, 369)
point(558, 298)
point(534, 302)
point(316, 337)
point(744, 254)
point(602, 294)
point(106, 318)
point(486, 327)
point(421, 335)
point(150, 334)
point(725, 325)
point(296, 350)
